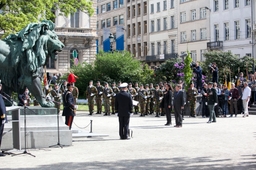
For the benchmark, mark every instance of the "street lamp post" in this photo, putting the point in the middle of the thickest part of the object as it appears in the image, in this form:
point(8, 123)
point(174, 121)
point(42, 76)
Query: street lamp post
point(111, 39)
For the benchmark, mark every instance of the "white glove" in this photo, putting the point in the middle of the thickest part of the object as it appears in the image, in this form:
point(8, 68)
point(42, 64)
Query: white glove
point(76, 107)
point(116, 114)
point(206, 103)
point(3, 121)
point(131, 114)
point(215, 104)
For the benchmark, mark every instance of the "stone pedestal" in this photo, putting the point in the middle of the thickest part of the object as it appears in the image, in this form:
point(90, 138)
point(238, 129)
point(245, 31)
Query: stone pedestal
point(41, 128)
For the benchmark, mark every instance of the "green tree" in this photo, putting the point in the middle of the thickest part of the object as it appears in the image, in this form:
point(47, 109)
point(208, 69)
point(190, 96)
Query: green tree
point(188, 73)
point(16, 14)
point(226, 63)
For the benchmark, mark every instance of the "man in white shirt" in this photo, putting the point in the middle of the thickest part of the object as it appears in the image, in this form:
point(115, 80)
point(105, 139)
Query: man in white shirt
point(246, 98)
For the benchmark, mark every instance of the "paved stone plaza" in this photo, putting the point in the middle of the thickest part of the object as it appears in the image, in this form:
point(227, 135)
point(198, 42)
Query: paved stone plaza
point(229, 144)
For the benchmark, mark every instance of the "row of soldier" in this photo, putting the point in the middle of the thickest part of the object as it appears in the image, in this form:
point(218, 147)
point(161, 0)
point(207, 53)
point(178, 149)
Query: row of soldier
point(146, 99)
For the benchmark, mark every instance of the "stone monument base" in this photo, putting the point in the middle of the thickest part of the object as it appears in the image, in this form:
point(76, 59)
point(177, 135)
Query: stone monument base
point(41, 128)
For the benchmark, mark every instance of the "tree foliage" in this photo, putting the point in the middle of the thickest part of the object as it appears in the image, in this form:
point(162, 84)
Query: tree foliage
point(112, 67)
point(188, 73)
point(227, 64)
point(16, 14)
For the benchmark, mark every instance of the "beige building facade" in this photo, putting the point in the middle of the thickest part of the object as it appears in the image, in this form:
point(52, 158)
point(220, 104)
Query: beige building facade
point(78, 33)
point(193, 27)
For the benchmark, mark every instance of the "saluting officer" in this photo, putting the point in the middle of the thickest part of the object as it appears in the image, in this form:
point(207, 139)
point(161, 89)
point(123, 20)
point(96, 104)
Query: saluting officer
point(113, 99)
point(99, 97)
point(90, 94)
point(107, 93)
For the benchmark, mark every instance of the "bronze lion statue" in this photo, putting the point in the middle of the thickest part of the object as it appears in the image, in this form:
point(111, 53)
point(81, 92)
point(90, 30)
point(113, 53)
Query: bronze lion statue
point(23, 56)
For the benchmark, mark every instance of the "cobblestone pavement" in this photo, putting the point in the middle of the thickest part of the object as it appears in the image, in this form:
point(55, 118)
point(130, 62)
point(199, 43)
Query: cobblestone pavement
point(229, 144)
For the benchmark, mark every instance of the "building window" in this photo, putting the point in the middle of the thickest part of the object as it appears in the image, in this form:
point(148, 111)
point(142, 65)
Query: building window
point(202, 57)
point(237, 29)
point(74, 20)
point(103, 8)
point(152, 26)
point(193, 55)
point(172, 4)
point(226, 4)
point(139, 49)
point(152, 48)
point(172, 46)
point(247, 2)
point(97, 25)
point(133, 29)
point(108, 22)
point(193, 14)
point(216, 5)
point(102, 23)
point(121, 19)
point(134, 50)
point(248, 54)
point(203, 34)
point(158, 7)
point(158, 48)
point(172, 22)
point(248, 28)
point(193, 35)
point(139, 28)
point(236, 3)
point(182, 1)
point(138, 10)
point(183, 37)
point(165, 5)
point(108, 6)
point(115, 21)
point(183, 17)
point(128, 12)
point(145, 51)
point(216, 32)
point(152, 8)
point(158, 25)
point(97, 10)
point(133, 11)
point(145, 8)
point(202, 13)
point(121, 3)
point(165, 47)
point(165, 23)
point(115, 4)
point(226, 31)
point(145, 27)
point(128, 30)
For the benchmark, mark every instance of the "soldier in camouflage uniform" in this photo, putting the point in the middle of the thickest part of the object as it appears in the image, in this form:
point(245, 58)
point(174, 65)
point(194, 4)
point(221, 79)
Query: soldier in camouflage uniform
point(157, 99)
point(142, 100)
point(90, 93)
point(191, 99)
point(56, 94)
point(99, 97)
point(136, 98)
point(148, 98)
point(151, 100)
point(75, 93)
point(113, 99)
point(107, 93)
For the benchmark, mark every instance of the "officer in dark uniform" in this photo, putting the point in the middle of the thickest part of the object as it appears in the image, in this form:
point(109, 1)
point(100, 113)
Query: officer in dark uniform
point(69, 106)
point(3, 117)
point(113, 99)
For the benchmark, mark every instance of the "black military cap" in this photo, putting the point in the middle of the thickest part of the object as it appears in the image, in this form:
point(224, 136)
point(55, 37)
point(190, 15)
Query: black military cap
point(69, 84)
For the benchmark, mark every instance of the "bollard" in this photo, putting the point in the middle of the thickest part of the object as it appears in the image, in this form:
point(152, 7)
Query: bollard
point(91, 127)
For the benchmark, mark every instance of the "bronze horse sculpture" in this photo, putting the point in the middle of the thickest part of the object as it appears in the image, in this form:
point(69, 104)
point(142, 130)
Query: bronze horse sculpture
point(23, 56)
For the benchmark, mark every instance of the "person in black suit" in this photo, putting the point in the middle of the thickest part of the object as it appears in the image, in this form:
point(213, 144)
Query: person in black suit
point(3, 118)
point(123, 107)
point(178, 103)
point(212, 102)
point(167, 104)
point(69, 106)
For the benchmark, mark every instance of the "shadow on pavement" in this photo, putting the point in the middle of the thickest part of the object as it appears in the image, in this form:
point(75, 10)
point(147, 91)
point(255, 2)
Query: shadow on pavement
point(179, 163)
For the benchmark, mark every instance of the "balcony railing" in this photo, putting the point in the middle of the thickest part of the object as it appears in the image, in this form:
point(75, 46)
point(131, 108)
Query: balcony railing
point(161, 57)
point(216, 45)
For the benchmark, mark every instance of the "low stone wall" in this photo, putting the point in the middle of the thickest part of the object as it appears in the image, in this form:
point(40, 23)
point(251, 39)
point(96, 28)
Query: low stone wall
point(41, 131)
